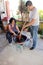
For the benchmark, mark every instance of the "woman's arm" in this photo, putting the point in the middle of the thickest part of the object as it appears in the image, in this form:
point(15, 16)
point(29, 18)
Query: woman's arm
point(17, 29)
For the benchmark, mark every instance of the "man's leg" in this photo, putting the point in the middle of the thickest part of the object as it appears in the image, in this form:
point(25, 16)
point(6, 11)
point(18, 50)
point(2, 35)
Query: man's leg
point(31, 30)
point(35, 33)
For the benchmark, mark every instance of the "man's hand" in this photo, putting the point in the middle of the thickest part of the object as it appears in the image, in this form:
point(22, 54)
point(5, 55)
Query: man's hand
point(18, 32)
point(24, 27)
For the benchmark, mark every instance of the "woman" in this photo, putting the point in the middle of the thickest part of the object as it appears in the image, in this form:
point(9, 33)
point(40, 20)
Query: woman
point(12, 31)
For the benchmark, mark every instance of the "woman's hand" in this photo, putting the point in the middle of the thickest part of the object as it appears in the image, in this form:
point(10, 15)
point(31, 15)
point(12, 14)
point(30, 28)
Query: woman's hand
point(15, 34)
point(19, 36)
point(17, 29)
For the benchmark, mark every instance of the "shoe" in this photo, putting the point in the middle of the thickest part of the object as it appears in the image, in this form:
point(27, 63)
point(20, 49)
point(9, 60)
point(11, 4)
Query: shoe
point(31, 48)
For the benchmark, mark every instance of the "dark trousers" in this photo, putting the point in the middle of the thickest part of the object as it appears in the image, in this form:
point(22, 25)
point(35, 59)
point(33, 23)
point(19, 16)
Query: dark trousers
point(9, 36)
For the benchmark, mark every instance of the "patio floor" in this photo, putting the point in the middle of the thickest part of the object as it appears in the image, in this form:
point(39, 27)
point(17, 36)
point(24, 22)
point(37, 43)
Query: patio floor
point(15, 55)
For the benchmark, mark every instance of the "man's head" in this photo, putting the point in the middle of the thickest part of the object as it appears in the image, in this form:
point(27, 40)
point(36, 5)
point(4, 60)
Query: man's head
point(29, 5)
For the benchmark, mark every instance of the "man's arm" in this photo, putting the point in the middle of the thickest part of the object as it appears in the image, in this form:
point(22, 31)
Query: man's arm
point(34, 16)
point(30, 23)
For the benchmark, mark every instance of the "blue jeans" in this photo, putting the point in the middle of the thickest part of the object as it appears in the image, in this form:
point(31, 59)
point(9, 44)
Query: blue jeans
point(34, 34)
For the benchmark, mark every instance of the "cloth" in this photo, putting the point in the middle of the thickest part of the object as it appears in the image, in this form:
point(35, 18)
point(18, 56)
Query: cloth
point(34, 15)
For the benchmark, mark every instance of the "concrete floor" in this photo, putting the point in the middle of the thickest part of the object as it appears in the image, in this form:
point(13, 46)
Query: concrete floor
point(18, 55)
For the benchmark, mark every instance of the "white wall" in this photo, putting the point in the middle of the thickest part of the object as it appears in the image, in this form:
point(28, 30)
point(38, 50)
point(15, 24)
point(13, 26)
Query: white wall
point(2, 6)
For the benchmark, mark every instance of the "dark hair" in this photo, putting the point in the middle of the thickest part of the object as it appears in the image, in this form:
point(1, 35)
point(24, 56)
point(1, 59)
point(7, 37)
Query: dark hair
point(28, 3)
point(11, 19)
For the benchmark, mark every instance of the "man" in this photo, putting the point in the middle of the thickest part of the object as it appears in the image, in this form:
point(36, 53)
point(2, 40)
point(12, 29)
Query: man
point(34, 22)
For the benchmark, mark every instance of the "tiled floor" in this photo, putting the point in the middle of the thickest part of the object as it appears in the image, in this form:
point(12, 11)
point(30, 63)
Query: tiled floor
point(18, 55)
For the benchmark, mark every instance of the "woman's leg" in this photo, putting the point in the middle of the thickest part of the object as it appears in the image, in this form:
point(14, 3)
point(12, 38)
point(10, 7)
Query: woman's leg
point(9, 37)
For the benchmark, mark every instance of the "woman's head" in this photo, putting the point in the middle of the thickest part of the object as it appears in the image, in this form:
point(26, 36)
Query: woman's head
point(12, 21)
